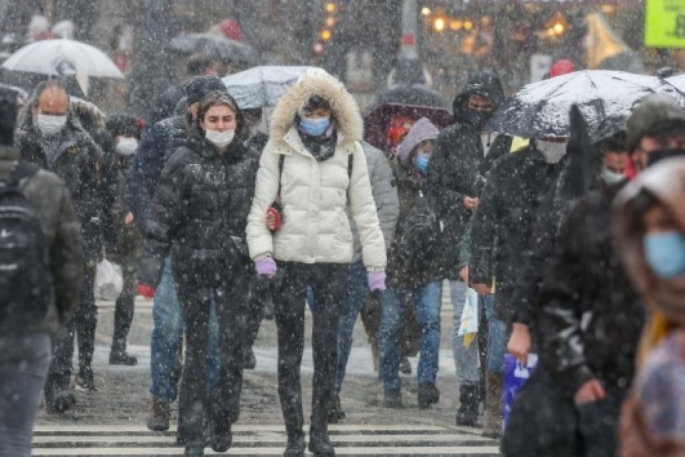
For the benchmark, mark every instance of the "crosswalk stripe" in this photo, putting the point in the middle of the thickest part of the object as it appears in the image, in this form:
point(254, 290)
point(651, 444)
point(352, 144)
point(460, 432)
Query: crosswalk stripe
point(397, 440)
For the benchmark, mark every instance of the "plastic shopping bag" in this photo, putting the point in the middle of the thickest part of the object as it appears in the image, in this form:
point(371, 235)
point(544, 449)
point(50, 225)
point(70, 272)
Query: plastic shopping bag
point(109, 281)
point(469, 317)
point(515, 376)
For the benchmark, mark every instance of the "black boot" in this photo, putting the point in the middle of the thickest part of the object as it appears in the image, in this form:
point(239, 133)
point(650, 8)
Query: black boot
point(405, 366)
point(428, 395)
point(85, 380)
point(393, 399)
point(467, 414)
point(320, 443)
point(221, 438)
point(60, 403)
point(249, 359)
point(336, 413)
point(296, 446)
point(119, 356)
point(194, 451)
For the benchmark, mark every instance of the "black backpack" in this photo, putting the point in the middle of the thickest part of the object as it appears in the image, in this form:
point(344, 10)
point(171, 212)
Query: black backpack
point(25, 285)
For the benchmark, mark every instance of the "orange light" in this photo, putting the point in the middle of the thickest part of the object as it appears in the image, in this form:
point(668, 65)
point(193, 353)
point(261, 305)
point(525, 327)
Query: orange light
point(318, 48)
point(468, 25)
point(559, 28)
point(326, 35)
point(330, 21)
point(456, 25)
point(331, 7)
point(439, 24)
point(425, 11)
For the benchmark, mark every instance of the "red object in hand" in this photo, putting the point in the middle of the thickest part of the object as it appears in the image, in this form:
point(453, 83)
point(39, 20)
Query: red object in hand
point(275, 213)
point(146, 291)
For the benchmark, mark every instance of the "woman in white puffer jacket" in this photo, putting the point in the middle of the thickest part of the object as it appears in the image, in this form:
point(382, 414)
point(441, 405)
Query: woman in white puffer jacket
point(315, 167)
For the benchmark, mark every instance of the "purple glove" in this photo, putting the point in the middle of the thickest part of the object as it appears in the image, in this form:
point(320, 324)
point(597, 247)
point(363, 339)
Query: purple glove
point(266, 266)
point(377, 280)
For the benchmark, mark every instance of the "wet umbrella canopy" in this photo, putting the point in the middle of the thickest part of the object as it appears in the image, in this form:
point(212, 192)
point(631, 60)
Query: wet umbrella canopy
point(215, 45)
point(262, 87)
point(541, 109)
point(45, 56)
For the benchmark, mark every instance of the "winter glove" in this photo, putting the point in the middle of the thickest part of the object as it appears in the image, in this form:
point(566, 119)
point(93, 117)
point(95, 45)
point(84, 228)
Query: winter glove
point(146, 291)
point(377, 281)
point(266, 266)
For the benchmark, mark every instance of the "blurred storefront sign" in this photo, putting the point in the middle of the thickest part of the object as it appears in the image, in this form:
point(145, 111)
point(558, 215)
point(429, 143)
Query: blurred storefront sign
point(665, 24)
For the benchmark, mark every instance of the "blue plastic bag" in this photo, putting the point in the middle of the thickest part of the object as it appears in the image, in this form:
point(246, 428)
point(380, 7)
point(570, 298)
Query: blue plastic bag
point(515, 376)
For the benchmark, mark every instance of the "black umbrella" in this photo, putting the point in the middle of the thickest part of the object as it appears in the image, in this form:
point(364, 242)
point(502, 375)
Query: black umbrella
point(215, 46)
point(413, 95)
point(542, 109)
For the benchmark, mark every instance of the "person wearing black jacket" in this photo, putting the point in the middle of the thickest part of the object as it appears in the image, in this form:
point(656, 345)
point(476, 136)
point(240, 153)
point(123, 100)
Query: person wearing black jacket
point(50, 136)
point(463, 155)
point(199, 214)
point(501, 231)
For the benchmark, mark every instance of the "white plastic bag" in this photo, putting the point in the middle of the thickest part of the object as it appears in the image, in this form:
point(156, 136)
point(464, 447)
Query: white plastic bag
point(109, 281)
point(469, 317)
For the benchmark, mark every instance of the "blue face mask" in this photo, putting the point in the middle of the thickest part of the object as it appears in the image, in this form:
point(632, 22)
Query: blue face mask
point(421, 162)
point(315, 126)
point(665, 253)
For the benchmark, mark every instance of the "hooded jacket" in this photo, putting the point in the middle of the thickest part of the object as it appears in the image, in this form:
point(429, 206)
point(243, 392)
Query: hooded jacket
point(314, 194)
point(50, 198)
point(199, 212)
point(652, 418)
point(80, 163)
point(504, 220)
point(458, 165)
point(422, 130)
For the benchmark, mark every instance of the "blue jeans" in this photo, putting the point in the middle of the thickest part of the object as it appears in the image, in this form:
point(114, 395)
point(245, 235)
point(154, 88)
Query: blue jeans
point(24, 363)
point(357, 290)
point(465, 359)
point(428, 301)
point(498, 337)
point(168, 330)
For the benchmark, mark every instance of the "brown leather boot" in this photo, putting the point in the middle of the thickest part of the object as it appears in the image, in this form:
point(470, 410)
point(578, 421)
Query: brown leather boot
point(160, 413)
point(492, 419)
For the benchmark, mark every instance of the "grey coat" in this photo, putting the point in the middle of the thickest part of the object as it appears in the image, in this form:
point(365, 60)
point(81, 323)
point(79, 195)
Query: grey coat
point(50, 198)
point(384, 192)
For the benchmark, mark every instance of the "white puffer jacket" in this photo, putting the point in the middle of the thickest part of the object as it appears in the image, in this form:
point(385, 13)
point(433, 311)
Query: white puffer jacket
point(314, 194)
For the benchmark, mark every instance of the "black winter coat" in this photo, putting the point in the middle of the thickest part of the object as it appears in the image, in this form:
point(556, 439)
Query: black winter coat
point(80, 163)
point(504, 220)
point(458, 167)
point(199, 212)
point(588, 318)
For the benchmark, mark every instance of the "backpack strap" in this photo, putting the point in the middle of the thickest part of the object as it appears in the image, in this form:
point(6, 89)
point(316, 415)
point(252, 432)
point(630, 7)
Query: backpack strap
point(281, 164)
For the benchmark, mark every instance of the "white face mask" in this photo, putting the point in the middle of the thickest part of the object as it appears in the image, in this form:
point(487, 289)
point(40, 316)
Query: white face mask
point(220, 139)
point(126, 146)
point(611, 177)
point(553, 152)
point(49, 124)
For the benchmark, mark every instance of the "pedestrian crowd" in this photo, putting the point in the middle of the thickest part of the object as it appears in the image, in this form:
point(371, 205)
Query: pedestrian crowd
point(572, 262)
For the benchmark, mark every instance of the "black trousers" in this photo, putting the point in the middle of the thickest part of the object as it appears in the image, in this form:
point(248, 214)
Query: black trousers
point(81, 325)
point(329, 282)
point(219, 408)
point(124, 308)
point(260, 293)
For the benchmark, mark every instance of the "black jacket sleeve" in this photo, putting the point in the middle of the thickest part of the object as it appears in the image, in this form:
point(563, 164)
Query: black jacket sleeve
point(483, 232)
point(168, 210)
point(446, 198)
point(559, 316)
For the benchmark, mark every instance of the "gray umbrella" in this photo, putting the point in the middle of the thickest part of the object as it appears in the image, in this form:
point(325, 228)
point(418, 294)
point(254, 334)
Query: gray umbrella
point(262, 87)
point(215, 45)
point(542, 109)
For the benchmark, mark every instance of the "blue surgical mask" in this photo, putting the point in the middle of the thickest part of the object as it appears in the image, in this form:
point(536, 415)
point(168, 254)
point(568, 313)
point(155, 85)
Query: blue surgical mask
point(421, 162)
point(314, 126)
point(665, 254)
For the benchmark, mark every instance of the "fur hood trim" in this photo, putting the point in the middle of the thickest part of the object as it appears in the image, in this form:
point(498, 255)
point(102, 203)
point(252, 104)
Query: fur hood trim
point(318, 82)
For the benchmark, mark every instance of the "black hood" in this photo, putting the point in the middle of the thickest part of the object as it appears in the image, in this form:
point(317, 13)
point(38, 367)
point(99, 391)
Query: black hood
point(484, 83)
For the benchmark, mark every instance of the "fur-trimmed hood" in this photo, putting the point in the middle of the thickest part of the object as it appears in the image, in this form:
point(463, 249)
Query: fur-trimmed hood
point(318, 82)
